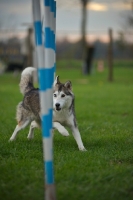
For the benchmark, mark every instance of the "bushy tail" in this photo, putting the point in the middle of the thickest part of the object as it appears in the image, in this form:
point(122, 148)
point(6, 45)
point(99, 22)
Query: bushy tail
point(26, 82)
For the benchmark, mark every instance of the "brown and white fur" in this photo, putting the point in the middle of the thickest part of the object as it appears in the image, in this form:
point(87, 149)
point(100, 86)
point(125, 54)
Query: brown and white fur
point(28, 110)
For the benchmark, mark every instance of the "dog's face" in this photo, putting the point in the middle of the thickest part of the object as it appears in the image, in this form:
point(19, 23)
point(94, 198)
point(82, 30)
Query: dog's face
point(62, 96)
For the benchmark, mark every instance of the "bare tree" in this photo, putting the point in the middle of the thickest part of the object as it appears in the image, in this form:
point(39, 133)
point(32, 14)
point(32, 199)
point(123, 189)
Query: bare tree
point(86, 50)
point(130, 15)
point(128, 31)
point(83, 25)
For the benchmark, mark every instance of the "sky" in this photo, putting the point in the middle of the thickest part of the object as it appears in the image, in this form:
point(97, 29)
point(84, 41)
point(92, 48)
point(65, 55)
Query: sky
point(16, 15)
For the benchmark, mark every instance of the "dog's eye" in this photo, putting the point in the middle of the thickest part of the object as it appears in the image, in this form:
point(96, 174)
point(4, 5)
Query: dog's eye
point(55, 95)
point(63, 95)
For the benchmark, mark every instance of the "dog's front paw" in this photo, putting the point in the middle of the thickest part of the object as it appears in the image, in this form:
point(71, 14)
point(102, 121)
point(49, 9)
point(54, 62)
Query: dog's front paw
point(11, 139)
point(82, 148)
point(66, 134)
point(63, 131)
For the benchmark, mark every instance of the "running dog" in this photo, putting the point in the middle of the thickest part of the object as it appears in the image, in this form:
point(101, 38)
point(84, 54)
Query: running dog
point(28, 110)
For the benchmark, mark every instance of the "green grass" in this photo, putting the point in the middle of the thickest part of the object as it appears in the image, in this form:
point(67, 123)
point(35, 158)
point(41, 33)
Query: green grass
point(105, 119)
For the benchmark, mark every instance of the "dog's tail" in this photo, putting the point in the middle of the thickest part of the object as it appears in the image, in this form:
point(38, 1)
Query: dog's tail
point(26, 82)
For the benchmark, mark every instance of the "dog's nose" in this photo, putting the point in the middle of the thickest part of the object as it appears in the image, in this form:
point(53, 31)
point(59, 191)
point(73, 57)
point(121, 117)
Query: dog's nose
point(57, 105)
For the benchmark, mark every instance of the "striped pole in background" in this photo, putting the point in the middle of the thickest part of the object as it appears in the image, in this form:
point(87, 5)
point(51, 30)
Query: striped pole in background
point(46, 62)
point(54, 20)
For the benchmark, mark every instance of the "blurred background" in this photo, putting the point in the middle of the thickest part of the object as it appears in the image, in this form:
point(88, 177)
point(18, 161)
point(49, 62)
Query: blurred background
point(87, 30)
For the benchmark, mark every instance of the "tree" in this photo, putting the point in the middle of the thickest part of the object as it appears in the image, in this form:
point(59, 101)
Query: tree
point(129, 20)
point(83, 25)
point(87, 51)
point(130, 15)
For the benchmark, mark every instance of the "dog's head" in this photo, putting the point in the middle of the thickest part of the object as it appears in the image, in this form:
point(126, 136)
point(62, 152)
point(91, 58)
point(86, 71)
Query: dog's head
point(62, 95)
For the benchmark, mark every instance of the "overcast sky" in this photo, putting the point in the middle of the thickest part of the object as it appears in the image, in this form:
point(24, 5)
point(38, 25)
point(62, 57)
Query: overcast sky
point(102, 14)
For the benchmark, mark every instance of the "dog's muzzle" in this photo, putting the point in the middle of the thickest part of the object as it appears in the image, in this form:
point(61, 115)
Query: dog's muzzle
point(57, 106)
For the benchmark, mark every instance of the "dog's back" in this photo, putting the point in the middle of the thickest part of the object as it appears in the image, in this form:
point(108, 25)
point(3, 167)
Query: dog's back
point(31, 102)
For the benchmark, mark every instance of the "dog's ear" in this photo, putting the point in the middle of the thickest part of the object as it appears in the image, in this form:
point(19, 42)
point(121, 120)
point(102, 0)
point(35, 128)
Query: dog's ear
point(56, 81)
point(68, 85)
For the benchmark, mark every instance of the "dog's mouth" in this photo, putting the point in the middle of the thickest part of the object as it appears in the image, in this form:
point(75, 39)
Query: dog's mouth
point(58, 109)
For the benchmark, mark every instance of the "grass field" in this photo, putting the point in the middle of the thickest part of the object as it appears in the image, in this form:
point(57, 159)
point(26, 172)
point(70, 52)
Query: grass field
point(105, 119)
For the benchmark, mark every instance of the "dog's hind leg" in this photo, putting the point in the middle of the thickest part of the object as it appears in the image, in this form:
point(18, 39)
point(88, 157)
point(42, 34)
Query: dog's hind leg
point(21, 125)
point(31, 131)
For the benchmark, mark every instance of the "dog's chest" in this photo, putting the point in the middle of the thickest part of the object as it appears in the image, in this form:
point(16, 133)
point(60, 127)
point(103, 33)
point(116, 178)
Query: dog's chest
point(61, 117)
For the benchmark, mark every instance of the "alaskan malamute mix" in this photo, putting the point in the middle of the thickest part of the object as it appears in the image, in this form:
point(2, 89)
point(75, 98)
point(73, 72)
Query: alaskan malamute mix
point(28, 110)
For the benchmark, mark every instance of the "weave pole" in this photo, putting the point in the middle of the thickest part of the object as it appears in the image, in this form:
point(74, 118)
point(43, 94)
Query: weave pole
point(49, 78)
point(46, 78)
point(54, 7)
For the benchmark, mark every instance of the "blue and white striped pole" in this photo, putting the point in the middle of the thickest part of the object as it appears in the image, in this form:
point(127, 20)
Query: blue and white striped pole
point(46, 78)
point(49, 75)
